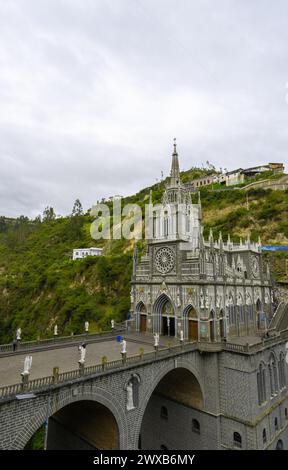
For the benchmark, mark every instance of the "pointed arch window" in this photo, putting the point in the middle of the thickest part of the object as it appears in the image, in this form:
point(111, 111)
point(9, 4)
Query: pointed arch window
point(282, 372)
point(273, 376)
point(154, 221)
point(166, 224)
point(261, 384)
point(237, 439)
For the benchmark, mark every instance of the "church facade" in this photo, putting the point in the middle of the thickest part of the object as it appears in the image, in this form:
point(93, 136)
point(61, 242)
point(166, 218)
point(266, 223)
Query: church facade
point(211, 290)
point(219, 295)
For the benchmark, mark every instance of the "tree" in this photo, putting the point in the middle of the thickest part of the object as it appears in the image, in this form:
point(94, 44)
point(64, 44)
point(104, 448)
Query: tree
point(77, 208)
point(38, 219)
point(3, 224)
point(48, 214)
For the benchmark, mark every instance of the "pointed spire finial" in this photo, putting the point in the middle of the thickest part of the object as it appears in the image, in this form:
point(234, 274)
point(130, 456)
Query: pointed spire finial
point(199, 198)
point(248, 241)
point(150, 197)
point(175, 145)
point(211, 238)
point(175, 171)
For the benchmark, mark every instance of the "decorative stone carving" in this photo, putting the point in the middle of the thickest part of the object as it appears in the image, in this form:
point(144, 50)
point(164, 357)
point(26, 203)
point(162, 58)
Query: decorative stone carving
point(165, 260)
point(190, 291)
point(239, 299)
point(202, 299)
point(129, 389)
point(163, 286)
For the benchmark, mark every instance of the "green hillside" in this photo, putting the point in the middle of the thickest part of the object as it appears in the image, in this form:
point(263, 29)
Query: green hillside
point(40, 285)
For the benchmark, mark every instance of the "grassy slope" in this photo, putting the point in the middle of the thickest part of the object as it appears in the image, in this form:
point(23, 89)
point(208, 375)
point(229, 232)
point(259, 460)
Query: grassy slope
point(41, 286)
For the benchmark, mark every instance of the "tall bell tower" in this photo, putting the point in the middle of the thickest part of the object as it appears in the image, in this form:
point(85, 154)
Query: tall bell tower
point(176, 219)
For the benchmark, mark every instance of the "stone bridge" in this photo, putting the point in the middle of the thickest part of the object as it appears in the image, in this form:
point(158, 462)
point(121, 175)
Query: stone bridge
point(179, 398)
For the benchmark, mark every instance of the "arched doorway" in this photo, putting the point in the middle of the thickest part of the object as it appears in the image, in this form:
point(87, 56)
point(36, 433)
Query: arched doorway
point(142, 312)
point(164, 316)
point(176, 401)
point(212, 326)
point(83, 425)
point(190, 323)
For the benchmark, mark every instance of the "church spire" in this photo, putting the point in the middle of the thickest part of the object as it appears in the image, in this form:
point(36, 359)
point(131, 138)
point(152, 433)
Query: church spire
point(175, 172)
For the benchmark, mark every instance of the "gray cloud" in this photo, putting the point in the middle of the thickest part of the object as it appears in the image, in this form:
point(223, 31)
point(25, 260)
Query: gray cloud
point(92, 93)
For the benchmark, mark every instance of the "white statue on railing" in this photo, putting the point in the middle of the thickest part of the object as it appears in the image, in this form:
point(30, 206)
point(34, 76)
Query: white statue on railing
point(86, 326)
point(55, 330)
point(18, 334)
point(27, 365)
point(181, 336)
point(112, 324)
point(156, 340)
point(130, 403)
point(123, 346)
point(286, 347)
point(82, 349)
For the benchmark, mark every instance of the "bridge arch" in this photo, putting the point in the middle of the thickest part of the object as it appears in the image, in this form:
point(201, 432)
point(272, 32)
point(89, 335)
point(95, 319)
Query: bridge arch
point(100, 397)
point(179, 385)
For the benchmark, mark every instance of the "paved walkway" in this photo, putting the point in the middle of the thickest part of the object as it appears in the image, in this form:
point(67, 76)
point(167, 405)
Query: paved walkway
point(65, 358)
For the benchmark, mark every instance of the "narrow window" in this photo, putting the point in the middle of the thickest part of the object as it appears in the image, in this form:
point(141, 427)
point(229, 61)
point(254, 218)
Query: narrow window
point(237, 439)
point(163, 447)
point(280, 445)
point(196, 426)
point(164, 412)
point(276, 424)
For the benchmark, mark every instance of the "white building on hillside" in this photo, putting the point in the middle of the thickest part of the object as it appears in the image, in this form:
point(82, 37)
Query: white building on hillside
point(80, 253)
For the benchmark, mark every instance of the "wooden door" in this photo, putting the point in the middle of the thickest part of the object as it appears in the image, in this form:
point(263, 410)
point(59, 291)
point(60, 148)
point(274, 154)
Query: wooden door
point(193, 330)
point(143, 319)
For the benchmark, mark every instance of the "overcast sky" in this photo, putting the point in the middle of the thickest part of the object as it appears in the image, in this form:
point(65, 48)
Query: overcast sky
point(92, 93)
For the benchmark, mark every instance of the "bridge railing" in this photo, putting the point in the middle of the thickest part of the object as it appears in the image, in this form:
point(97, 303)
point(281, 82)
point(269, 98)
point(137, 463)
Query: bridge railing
point(11, 390)
point(44, 382)
point(52, 342)
point(161, 353)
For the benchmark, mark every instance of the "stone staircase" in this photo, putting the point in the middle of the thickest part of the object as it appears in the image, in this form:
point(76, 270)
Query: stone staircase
point(279, 320)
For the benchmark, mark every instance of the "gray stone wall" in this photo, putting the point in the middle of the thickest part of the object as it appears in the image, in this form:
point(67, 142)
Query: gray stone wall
point(229, 387)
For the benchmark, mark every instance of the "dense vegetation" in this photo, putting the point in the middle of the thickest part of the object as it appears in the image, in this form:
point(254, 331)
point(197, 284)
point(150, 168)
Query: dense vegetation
point(41, 286)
